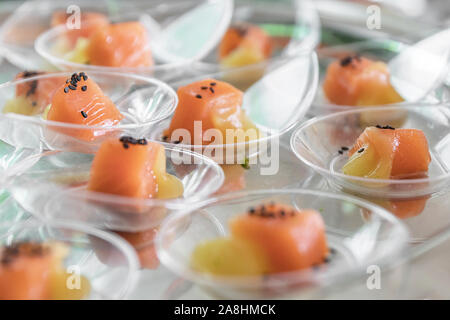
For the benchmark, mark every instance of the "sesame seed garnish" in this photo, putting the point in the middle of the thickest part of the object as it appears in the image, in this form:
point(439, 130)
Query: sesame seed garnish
point(361, 150)
point(71, 87)
point(385, 127)
point(198, 96)
point(346, 61)
point(84, 88)
point(213, 84)
point(344, 148)
point(66, 89)
point(142, 141)
point(84, 114)
point(211, 89)
point(340, 152)
point(127, 140)
point(203, 87)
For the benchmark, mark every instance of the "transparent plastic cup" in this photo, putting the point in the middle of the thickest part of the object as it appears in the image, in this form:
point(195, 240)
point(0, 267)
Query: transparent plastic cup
point(59, 191)
point(358, 242)
point(107, 261)
point(318, 141)
point(143, 102)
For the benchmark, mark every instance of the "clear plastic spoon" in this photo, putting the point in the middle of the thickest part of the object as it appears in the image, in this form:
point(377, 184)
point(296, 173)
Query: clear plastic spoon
point(192, 35)
point(419, 69)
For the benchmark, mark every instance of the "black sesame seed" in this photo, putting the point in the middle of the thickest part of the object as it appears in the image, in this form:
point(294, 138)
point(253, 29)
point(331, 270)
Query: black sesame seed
point(213, 84)
point(84, 114)
point(198, 96)
point(204, 88)
point(340, 152)
point(72, 87)
point(66, 89)
point(142, 141)
point(211, 89)
point(361, 150)
point(84, 88)
point(126, 146)
point(165, 138)
point(344, 148)
point(346, 61)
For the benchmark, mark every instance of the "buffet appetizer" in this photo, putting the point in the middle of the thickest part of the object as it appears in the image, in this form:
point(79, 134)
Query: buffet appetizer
point(268, 239)
point(359, 81)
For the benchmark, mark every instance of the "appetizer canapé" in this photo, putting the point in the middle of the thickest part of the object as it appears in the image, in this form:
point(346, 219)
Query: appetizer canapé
point(34, 271)
point(358, 81)
point(79, 100)
point(269, 239)
point(244, 44)
point(123, 44)
point(32, 97)
point(212, 104)
point(385, 152)
point(133, 168)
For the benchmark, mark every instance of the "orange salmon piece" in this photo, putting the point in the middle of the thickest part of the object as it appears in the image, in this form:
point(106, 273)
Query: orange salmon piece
point(207, 101)
point(412, 155)
point(358, 81)
point(24, 272)
point(291, 239)
point(243, 35)
point(86, 105)
point(38, 92)
point(125, 169)
point(120, 45)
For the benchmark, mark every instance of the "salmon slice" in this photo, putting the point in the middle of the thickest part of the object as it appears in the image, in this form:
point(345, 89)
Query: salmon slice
point(372, 155)
point(291, 239)
point(412, 156)
point(125, 169)
point(215, 104)
point(89, 23)
point(244, 38)
point(81, 101)
point(39, 93)
point(385, 153)
point(120, 45)
point(358, 81)
point(24, 272)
